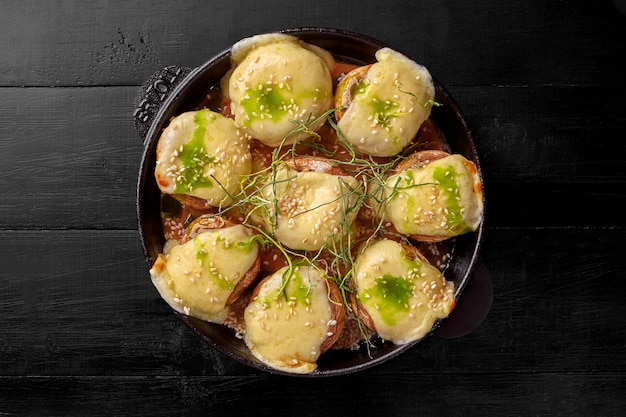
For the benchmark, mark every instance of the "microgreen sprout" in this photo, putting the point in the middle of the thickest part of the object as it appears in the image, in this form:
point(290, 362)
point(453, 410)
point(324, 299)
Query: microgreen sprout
point(424, 104)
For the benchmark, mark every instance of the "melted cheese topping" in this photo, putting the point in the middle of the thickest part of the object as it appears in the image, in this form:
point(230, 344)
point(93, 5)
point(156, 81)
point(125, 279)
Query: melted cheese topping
point(278, 79)
point(202, 154)
point(286, 329)
point(314, 208)
point(389, 105)
point(404, 297)
point(442, 198)
point(196, 278)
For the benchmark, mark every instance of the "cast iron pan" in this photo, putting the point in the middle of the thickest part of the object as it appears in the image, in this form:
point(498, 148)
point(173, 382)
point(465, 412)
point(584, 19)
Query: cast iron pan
point(174, 90)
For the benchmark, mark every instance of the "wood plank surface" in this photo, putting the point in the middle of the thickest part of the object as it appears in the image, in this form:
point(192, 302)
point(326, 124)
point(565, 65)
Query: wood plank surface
point(84, 332)
point(462, 394)
point(502, 43)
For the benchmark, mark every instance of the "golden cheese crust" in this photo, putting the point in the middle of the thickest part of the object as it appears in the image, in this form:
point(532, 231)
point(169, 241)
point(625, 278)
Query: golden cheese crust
point(277, 80)
point(433, 196)
point(294, 316)
point(208, 270)
point(398, 293)
point(382, 106)
point(311, 203)
point(201, 158)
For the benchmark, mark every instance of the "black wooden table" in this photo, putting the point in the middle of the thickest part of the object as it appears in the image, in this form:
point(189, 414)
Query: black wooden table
point(82, 329)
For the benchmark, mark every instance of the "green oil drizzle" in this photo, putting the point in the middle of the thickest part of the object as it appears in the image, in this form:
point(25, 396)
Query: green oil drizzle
point(202, 256)
point(384, 110)
point(264, 102)
point(446, 178)
point(193, 158)
point(295, 291)
point(390, 296)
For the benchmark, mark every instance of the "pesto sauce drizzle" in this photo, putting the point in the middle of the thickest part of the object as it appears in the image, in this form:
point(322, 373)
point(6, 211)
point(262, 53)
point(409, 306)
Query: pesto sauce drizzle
point(202, 255)
point(295, 290)
point(445, 177)
point(384, 110)
point(194, 157)
point(390, 296)
point(264, 102)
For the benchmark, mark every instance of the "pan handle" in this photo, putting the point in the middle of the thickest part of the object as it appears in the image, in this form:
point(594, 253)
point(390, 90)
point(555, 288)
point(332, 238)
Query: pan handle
point(153, 93)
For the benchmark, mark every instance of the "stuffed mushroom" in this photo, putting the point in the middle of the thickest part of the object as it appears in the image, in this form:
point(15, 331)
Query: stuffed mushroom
point(398, 293)
point(310, 203)
point(202, 159)
point(433, 196)
point(381, 106)
point(278, 87)
point(208, 270)
point(293, 316)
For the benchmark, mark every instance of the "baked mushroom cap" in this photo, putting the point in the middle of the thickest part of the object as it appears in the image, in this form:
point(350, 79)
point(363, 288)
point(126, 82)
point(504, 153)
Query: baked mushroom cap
point(202, 158)
point(293, 316)
point(400, 294)
point(204, 274)
point(277, 82)
point(434, 196)
point(310, 203)
point(382, 106)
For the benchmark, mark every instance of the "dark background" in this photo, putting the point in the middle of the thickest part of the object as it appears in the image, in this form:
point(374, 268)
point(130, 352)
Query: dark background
point(82, 330)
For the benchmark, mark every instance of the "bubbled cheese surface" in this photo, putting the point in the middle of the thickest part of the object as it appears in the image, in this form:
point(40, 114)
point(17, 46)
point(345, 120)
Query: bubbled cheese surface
point(404, 297)
point(314, 208)
point(202, 154)
point(279, 80)
point(388, 106)
point(286, 330)
point(196, 278)
point(442, 198)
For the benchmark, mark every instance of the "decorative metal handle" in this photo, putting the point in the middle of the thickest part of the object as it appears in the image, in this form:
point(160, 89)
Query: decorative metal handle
point(152, 93)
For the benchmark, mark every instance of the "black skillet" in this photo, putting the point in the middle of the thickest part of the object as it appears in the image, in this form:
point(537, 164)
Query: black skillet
point(173, 90)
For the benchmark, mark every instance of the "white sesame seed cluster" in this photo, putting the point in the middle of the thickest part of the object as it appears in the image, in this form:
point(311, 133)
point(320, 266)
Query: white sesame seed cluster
point(313, 208)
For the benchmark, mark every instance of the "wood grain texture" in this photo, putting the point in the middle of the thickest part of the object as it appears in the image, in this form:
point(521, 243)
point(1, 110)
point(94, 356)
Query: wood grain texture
point(82, 329)
point(70, 157)
point(486, 42)
point(464, 394)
